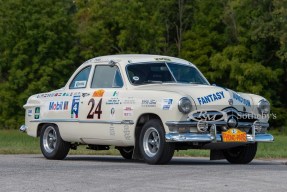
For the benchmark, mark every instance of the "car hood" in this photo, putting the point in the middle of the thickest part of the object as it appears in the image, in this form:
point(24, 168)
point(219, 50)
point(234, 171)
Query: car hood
point(207, 96)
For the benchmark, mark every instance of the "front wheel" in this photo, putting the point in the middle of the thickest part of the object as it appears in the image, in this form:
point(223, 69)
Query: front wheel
point(152, 144)
point(241, 155)
point(51, 143)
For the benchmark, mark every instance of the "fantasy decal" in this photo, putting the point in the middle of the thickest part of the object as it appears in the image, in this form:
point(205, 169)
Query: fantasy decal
point(75, 107)
point(237, 97)
point(211, 98)
point(59, 105)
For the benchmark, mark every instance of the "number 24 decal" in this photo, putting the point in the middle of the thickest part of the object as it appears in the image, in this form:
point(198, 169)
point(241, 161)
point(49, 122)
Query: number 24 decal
point(97, 110)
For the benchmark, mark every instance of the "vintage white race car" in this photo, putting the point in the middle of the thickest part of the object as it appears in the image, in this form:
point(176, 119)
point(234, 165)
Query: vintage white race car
point(147, 106)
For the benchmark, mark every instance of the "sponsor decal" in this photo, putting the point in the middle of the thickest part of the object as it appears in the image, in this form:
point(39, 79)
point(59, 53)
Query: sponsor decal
point(167, 104)
point(129, 101)
point(112, 130)
point(37, 113)
point(48, 95)
point(58, 106)
point(113, 101)
point(245, 102)
point(115, 94)
point(75, 107)
point(30, 112)
point(128, 111)
point(80, 84)
point(211, 98)
point(112, 114)
point(162, 59)
point(85, 94)
point(99, 93)
point(149, 103)
point(136, 78)
point(127, 132)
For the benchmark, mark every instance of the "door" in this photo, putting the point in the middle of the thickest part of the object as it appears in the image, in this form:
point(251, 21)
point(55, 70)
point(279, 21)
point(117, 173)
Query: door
point(100, 107)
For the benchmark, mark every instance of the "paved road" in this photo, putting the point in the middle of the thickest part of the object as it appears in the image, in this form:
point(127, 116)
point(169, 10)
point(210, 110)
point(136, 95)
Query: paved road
point(106, 173)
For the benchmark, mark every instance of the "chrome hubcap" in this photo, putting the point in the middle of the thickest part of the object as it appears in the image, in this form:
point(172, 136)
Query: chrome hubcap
point(151, 142)
point(50, 139)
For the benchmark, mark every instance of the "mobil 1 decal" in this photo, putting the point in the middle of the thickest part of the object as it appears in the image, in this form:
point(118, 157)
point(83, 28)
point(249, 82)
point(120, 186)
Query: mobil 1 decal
point(75, 107)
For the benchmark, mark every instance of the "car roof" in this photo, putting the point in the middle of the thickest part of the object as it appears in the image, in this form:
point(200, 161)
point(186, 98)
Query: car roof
point(125, 59)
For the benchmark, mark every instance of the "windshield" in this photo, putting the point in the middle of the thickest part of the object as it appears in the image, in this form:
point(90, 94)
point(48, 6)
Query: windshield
point(148, 73)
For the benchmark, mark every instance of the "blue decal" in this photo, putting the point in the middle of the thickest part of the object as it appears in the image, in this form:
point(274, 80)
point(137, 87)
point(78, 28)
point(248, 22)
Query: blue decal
point(210, 98)
point(237, 97)
point(59, 105)
point(75, 107)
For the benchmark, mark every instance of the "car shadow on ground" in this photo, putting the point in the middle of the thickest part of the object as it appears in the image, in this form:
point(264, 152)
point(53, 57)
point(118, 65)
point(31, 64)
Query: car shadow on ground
point(174, 161)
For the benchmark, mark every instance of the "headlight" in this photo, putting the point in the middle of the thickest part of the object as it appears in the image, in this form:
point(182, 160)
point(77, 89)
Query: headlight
point(263, 107)
point(184, 105)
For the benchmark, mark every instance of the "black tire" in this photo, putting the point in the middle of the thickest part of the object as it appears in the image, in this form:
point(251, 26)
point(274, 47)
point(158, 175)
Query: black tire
point(153, 147)
point(51, 143)
point(241, 155)
point(126, 152)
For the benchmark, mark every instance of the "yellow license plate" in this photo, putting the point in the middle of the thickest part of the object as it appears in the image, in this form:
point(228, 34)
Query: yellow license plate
point(234, 135)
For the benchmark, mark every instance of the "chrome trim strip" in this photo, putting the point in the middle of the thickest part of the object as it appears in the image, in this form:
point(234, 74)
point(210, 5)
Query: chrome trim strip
point(194, 137)
point(129, 122)
point(54, 120)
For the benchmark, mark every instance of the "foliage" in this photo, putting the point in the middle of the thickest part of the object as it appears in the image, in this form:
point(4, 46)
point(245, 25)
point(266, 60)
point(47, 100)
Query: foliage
point(240, 44)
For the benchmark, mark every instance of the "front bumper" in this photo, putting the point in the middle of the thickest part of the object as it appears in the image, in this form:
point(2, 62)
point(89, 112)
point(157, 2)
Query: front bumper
point(212, 135)
point(197, 137)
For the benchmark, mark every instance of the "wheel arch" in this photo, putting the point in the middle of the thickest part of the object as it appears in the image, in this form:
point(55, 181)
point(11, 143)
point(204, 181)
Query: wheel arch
point(138, 127)
point(40, 127)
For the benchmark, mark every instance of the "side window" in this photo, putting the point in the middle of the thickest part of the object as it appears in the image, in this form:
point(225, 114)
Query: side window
point(81, 79)
point(107, 77)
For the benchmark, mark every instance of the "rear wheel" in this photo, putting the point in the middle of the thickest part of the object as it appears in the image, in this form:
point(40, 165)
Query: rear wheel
point(152, 144)
point(51, 143)
point(241, 155)
point(126, 152)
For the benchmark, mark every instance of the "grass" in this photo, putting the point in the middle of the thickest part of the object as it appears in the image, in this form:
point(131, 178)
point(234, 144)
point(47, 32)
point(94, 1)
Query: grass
point(14, 142)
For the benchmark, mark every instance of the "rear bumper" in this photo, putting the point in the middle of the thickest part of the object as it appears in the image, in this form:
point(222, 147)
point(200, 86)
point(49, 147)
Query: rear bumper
point(23, 128)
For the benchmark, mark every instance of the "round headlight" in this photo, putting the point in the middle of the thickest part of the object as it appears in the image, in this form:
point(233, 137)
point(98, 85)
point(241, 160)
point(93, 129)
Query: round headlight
point(263, 107)
point(184, 105)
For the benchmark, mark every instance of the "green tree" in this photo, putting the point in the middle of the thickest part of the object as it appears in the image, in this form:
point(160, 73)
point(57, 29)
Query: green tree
point(37, 52)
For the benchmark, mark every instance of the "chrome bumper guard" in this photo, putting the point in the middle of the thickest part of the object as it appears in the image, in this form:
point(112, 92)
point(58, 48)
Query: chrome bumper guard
point(176, 136)
point(23, 128)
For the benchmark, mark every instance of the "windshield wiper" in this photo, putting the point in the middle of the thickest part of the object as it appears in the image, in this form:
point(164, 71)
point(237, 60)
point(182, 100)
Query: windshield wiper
point(153, 82)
